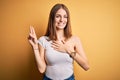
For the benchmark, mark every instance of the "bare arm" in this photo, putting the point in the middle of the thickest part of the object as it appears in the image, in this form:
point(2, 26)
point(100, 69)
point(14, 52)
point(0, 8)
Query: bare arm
point(39, 56)
point(38, 51)
point(77, 52)
point(80, 56)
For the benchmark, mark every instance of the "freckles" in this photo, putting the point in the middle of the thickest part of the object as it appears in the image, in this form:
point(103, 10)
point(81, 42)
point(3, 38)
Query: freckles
point(57, 20)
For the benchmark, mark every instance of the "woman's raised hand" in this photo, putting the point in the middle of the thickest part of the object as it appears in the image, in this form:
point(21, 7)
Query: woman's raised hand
point(33, 38)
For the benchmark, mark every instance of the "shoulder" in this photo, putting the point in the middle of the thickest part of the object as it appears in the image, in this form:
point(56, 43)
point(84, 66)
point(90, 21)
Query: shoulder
point(43, 41)
point(43, 38)
point(75, 38)
point(77, 42)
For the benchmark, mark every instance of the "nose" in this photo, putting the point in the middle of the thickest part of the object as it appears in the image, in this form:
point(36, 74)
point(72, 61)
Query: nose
point(61, 19)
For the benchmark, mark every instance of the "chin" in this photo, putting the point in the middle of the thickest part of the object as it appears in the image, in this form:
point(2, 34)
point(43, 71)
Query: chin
point(60, 28)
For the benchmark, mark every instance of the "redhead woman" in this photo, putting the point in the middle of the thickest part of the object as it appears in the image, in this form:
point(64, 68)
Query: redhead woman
point(58, 48)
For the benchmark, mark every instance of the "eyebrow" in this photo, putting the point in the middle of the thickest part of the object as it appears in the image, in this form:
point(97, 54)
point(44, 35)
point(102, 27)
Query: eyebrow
point(60, 14)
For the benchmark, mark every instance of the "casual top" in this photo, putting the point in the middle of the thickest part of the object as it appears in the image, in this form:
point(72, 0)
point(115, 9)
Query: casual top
point(59, 65)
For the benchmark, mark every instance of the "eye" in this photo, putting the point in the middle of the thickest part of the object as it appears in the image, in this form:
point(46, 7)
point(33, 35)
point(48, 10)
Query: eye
point(57, 16)
point(65, 16)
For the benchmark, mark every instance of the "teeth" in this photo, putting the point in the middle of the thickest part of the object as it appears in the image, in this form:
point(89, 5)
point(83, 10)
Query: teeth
point(61, 23)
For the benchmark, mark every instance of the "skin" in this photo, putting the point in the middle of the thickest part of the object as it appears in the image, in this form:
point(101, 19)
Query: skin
point(73, 44)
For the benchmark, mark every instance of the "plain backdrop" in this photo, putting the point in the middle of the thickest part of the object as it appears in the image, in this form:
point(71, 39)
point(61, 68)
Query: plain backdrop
point(96, 22)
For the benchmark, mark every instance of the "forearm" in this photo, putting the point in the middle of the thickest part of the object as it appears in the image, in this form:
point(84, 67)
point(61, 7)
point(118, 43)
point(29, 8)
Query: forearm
point(40, 62)
point(80, 60)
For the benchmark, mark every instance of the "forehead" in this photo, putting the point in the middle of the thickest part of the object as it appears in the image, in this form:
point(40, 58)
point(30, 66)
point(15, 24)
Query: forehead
point(61, 11)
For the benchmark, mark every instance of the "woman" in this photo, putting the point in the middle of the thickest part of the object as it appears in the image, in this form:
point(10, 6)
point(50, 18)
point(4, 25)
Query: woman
point(56, 50)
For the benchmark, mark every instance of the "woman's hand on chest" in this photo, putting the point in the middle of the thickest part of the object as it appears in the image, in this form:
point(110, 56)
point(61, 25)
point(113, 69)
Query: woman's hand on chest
point(63, 46)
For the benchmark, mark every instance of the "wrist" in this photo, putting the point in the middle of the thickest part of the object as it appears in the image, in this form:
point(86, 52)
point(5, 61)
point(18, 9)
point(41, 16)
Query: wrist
point(35, 48)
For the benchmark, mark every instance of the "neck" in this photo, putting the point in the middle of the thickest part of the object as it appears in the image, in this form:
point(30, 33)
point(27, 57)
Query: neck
point(60, 35)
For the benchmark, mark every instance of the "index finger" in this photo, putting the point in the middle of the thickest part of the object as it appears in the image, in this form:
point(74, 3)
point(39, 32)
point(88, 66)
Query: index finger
point(56, 42)
point(32, 30)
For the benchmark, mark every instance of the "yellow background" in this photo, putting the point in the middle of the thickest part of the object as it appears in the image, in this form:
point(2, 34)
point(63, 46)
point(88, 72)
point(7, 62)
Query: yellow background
point(96, 22)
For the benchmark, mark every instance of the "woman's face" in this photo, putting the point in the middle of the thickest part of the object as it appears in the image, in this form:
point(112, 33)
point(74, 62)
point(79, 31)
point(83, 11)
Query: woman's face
point(60, 19)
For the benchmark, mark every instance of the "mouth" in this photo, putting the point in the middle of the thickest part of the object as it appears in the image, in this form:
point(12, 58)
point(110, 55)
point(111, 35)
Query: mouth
point(61, 24)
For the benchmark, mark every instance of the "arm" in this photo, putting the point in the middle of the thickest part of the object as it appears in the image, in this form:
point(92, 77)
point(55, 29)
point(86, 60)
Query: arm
point(76, 51)
point(39, 56)
point(38, 50)
point(80, 56)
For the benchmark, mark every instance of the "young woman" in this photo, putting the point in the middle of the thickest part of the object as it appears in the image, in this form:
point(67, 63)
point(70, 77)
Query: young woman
point(56, 50)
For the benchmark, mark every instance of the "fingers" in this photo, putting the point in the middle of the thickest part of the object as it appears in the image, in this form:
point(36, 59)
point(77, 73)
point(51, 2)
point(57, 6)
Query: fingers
point(57, 42)
point(31, 42)
point(32, 36)
point(58, 46)
point(55, 45)
point(32, 30)
point(63, 41)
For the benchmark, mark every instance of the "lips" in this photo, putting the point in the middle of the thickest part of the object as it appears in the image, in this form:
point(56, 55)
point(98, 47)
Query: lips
point(60, 24)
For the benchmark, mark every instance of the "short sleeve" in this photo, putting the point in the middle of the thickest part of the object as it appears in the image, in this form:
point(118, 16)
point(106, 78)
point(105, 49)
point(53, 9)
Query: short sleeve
point(41, 41)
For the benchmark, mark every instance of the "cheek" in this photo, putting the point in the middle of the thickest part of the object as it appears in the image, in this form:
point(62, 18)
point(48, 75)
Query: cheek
point(57, 20)
point(66, 20)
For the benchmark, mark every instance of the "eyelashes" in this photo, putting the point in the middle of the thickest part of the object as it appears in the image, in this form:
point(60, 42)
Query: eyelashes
point(59, 16)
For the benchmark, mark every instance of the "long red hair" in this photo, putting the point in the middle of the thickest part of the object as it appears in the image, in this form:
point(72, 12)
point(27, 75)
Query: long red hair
point(51, 30)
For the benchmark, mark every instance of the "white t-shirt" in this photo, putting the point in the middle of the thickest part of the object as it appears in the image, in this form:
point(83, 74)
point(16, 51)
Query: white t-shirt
point(59, 64)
